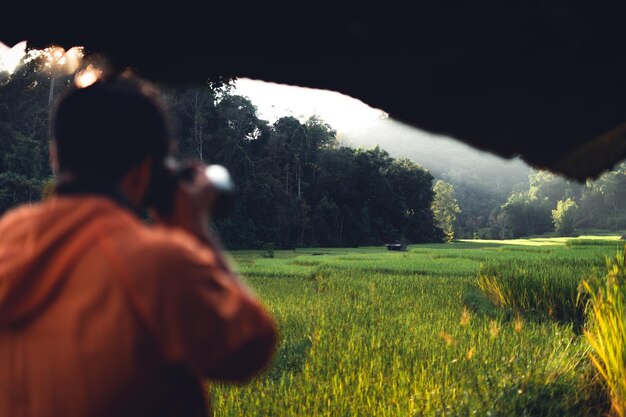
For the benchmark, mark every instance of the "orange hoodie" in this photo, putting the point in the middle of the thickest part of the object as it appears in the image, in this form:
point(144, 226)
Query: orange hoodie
point(103, 315)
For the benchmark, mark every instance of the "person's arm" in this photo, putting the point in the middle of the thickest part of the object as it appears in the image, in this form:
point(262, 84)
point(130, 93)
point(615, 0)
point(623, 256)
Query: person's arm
point(201, 315)
point(219, 327)
point(191, 212)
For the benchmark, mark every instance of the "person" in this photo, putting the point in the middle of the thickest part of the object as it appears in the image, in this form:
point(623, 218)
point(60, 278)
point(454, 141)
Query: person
point(109, 307)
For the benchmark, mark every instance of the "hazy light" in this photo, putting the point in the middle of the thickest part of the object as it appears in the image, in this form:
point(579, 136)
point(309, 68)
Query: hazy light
point(274, 100)
point(10, 56)
point(87, 76)
point(59, 60)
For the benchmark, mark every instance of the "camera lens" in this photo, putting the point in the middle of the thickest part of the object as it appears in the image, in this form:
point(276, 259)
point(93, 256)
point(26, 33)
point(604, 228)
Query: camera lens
point(225, 187)
point(220, 178)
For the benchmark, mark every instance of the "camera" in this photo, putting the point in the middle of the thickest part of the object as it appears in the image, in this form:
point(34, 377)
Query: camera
point(166, 177)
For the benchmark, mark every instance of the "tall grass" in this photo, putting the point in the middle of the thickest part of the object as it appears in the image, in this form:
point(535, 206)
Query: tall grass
point(380, 344)
point(607, 329)
point(543, 287)
point(611, 243)
point(370, 332)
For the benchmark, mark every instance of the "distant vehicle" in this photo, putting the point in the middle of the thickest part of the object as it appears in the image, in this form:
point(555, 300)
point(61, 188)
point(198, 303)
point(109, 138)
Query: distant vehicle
point(396, 246)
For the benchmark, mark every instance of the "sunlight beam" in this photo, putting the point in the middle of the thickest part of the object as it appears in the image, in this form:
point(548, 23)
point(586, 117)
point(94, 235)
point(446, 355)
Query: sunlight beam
point(10, 57)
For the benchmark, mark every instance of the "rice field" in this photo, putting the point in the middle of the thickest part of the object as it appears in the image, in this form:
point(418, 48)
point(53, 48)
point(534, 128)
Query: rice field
point(488, 328)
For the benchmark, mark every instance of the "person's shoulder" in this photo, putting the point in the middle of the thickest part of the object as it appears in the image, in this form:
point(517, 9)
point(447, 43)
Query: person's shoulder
point(23, 210)
point(61, 207)
point(161, 262)
point(168, 247)
point(20, 213)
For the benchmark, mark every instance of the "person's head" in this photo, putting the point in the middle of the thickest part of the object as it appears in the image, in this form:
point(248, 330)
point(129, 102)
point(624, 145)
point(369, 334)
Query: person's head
point(108, 130)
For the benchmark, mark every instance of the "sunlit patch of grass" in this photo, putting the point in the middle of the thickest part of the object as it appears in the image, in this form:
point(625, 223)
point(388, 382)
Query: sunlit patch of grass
point(610, 243)
point(546, 284)
point(600, 237)
point(524, 242)
point(607, 329)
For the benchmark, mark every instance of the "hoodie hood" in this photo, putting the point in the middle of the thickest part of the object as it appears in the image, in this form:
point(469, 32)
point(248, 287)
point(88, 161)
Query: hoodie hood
point(39, 244)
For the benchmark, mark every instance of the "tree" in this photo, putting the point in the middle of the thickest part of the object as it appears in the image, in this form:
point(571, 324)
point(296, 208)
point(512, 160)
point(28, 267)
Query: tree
point(412, 198)
point(295, 185)
point(325, 222)
point(17, 189)
point(194, 107)
point(499, 224)
point(333, 182)
point(445, 208)
point(564, 217)
point(321, 134)
point(547, 185)
point(526, 215)
point(24, 120)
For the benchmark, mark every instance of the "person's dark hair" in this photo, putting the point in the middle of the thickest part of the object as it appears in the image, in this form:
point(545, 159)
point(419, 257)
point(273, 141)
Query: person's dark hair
point(103, 130)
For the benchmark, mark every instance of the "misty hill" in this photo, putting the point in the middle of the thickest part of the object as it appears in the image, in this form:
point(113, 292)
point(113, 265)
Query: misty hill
point(445, 158)
point(482, 181)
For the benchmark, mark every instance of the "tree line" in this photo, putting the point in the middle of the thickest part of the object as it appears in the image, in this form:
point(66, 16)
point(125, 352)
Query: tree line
point(296, 185)
point(551, 203)
point(500, 198)
point(546, 204)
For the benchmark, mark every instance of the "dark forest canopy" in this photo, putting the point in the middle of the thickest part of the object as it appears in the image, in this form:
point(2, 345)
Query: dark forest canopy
point(296, 185)
point(301, 186)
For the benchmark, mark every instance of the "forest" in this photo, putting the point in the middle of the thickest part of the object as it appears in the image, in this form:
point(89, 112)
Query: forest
point(300, 184)
point(502, 198)
point(296, 186)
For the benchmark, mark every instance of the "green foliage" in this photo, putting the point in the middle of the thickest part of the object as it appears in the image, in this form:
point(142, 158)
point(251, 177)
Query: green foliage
point(296, 186)
point(564, 217)
point(445, 208)
point(22, 157)
point(598, 204)
point(603, 202)
point(583, 243)
point(541, 283)
point(23, 136)
point(607, 329)
point(522, 215)
point(545, 185)
point(269, 250)
point(17, 189)
point(528, 209)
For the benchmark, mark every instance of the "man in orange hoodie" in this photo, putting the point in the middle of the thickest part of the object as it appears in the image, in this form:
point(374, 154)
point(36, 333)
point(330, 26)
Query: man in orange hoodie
point(103, 313)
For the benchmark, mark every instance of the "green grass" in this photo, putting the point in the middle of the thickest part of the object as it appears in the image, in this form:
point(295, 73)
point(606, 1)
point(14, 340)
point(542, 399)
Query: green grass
point(589, 241)
point(607, 329)
point(370, 332)
point(545, 281)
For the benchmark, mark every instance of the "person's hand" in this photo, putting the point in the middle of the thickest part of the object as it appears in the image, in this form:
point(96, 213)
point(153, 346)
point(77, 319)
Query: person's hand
point(193, 201)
